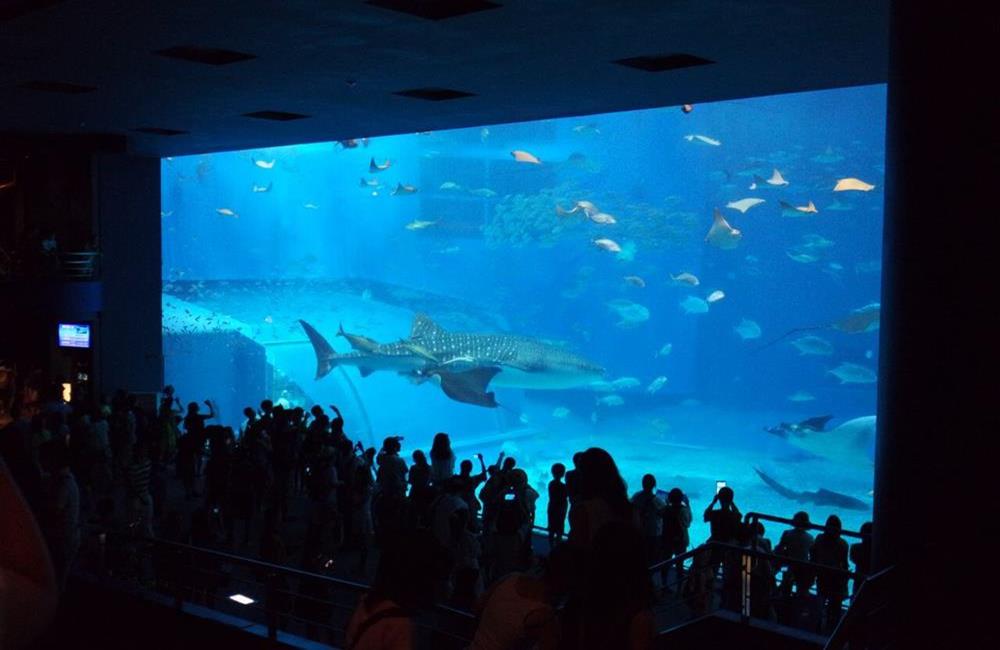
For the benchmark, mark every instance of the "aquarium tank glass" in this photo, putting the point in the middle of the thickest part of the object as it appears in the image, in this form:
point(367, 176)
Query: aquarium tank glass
point(694, 289)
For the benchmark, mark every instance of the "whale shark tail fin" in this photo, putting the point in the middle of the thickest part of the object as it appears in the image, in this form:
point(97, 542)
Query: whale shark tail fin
point(325, 354)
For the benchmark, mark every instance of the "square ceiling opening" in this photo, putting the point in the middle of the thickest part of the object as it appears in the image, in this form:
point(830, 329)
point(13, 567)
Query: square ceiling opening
point(205, 55)
point(435, 9)
point(663, 62)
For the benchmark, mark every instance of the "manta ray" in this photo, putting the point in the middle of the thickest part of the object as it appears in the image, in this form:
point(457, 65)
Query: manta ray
point(821, 497)
point(850, 444)
point(465, 364)
point(863, 319)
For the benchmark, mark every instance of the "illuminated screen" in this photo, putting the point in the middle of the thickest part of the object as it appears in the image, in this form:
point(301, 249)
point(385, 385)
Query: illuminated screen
point(74, 335)
point(694, 291)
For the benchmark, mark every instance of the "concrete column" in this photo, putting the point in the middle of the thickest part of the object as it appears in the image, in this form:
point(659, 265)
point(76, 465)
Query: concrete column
point(939, 398)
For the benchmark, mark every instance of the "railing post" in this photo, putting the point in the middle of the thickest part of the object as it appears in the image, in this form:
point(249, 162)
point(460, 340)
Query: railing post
point(271, 605)
point(746, 565)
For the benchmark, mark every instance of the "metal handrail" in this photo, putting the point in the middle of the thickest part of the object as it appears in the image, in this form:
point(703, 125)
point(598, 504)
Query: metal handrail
point(270, 581)
point(859, 607)
point(757, 516)
point(752, 552)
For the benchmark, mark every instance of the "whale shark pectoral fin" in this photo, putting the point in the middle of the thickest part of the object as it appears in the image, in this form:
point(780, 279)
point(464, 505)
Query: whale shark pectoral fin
point(365, 371)
point(469, 386)
point(424, 326)
point(325, 354)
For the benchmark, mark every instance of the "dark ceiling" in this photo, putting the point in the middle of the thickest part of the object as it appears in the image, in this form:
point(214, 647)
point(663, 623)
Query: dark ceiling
point(340, 63)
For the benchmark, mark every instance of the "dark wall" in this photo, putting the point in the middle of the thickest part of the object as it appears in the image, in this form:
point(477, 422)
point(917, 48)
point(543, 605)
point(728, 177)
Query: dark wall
point(935, 493)
point(127, 207)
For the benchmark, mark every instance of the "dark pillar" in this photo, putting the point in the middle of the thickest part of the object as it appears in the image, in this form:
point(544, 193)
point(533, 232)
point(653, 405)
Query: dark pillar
point(939, 398)
point(128, 207)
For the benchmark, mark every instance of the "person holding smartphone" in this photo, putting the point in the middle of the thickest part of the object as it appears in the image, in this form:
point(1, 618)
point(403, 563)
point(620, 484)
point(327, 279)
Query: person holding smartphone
point(675, 541)
point(725, 522)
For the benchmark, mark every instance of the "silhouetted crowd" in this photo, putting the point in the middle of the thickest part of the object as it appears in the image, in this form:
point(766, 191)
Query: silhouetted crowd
point(439, 530)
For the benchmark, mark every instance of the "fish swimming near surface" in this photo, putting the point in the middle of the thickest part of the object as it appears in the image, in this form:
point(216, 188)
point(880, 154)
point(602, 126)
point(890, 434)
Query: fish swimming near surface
point(587, 207)
point(686, 278)
point(402, 189)
point(849, 444)
point(227, 212)
point(525, 157)
point(812, 344)
point(694, 305)
point(483, 192)
point(631, 313)
point(625, 383)
point(419, 224)
point(656, 385)
point(264, 164)
point(801, 396)
point(610, 400)
point(465, 364)
point(801, 257)
point(602, 218)
point(310, 206)
point(789, 210)
point(721, 234)
point(703, 138)
point(635, 281)
point(820, 497)
point(747, 329)
point(450, 185)
point(353, 143)
point(852, 373)
point(715, 296)
point(587, 128)
point(744, 204)
point(560, 412)
point(374, 167)
point(609, 245)
point(687, 108)
point(852, 184)
point(665, 350)
point(258, 189)
point(370, 182)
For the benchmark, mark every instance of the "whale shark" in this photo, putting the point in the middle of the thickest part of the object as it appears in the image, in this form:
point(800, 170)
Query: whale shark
point(465, 364)
point(821, 497)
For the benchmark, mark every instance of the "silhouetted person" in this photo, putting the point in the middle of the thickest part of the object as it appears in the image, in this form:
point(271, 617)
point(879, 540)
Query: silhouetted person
point(725, 525)
point(518, 611)
point(676, 522)
point(60, 516)
point(411, 575)
point(649, 508)
point(442, 459)
point(830, 549)
point(602, 497)
point(795, 544)
point(390, 494)
point(468, 482)
point(861, 555)
point(614, 608)
point(558, 505)
point(194, 424)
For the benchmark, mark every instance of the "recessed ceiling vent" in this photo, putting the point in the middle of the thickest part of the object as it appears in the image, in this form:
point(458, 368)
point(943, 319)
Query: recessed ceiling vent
point(435, 9)
point(206, 55)
point(57, 87)
point(155, 130)
point(17, 8)
point(663, 62)
point(433, 94)
point(277, 116)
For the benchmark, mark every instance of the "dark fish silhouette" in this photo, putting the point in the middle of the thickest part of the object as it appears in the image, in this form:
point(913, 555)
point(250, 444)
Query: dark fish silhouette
point(821, 497)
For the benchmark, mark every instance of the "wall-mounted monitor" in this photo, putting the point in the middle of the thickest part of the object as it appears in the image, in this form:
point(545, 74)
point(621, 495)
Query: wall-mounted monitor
point(74, 335)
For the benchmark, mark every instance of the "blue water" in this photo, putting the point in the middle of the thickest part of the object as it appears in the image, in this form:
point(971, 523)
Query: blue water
point(496, 257)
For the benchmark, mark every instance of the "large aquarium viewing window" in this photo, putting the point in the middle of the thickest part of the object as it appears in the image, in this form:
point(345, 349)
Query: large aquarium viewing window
point(693, 289)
